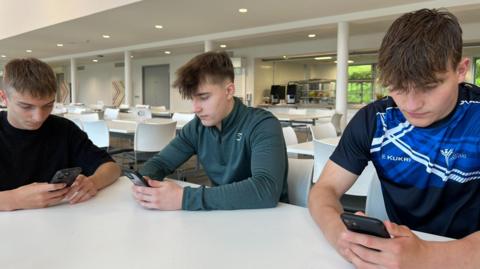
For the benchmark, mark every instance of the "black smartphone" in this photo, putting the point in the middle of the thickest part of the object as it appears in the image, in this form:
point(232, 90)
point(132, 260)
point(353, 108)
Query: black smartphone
point(136, 178)
point(67, 176)
point(365, 225)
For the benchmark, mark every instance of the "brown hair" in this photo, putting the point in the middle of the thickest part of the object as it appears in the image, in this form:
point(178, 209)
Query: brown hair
point(211, 67)
point(30, 76)
point(417, 47)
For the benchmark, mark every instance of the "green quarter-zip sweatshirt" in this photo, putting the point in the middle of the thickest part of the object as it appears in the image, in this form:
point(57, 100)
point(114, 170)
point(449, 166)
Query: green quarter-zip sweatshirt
point(246, 161)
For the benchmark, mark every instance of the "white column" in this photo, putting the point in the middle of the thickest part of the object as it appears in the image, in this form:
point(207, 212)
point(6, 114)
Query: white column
point(208, 45)
point(342, 71)
point(73, 80)
point(128, 78)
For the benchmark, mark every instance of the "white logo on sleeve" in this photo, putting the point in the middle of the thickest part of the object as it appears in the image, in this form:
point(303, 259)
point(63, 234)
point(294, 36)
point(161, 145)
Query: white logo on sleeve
point(238, 136)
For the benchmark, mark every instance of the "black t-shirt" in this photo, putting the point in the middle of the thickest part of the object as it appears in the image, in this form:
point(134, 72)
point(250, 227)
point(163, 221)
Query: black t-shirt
point(430, 176)
point(34, 156)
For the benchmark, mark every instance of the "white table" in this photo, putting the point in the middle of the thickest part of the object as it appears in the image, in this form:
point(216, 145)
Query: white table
point(306, 148)
point(113, 231)
point(309, 117)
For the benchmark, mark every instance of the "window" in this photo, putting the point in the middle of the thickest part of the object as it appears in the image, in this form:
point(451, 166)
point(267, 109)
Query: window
point(360, 84)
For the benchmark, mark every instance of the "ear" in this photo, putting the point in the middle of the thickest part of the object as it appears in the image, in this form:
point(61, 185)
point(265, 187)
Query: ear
point(3, 97)
point(230, 90)
point(462, 69)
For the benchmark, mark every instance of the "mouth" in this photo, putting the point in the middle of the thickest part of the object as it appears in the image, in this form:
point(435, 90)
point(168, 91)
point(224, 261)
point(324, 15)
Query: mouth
point(416, 115)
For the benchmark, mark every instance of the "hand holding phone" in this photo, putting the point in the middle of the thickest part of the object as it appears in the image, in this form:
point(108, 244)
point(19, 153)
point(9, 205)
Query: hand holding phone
point(67, 176)
point(365, 225)
point(136, 178)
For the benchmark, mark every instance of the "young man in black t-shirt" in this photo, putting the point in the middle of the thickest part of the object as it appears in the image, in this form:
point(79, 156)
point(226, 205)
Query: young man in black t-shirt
point(424, 143)
point(35, 144)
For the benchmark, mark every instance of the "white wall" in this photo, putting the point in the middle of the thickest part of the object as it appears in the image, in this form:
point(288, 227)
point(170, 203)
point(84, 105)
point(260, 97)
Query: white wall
point(95, 82)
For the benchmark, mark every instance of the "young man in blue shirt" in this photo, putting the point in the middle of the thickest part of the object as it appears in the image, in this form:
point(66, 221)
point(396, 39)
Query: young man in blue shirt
point(423, 142)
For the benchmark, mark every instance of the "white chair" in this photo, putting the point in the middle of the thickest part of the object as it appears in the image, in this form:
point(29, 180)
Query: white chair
point(290, 136)
point(78, 122)
point(98, 133)
point(375, 205)
point(336, 121)
point(152, 137)
point(290, 139)
point(111, 113)
point(299, 180)
point(323, 151)
point(323, 130)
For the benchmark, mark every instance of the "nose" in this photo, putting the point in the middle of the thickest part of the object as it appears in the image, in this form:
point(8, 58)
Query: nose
point(39, 115)
point(414, 101)
point(197, 107)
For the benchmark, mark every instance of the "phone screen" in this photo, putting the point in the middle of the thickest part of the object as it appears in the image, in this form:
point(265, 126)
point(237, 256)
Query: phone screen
point(67, 176)
point(135, 177)
point(365, 225)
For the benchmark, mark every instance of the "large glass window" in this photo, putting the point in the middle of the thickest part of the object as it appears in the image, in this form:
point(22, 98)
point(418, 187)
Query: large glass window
point(477, 71)
point(360, 84)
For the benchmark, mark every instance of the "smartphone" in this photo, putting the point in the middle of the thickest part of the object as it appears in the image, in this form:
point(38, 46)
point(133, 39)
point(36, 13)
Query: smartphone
point(67, 176)
point(136, 178)
point(365, 225)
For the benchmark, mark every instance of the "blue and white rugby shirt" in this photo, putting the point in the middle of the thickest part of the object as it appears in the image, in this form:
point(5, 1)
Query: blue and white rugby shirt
point(430, 176)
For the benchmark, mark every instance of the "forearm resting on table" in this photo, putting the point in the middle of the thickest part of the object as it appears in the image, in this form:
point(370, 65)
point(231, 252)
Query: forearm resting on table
point(325, 208)
point(7, 201)
point(462, 253)
point(105, 175)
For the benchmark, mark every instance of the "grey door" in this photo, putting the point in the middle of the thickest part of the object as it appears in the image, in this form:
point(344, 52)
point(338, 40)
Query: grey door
point(156, 85)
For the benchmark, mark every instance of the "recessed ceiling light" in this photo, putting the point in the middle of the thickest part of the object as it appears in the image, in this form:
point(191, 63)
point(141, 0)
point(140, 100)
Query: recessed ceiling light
point(29, 51)
point(312, 35)
point(4, 56)
point(95, 60)
point(167, 52)
point(131, 56)
point(223, 46)
point(158, 26)
point(105, 36)
point(349, 61)
point(284, 57)
point(59, 45)
point(242, 10)
point(323, 58)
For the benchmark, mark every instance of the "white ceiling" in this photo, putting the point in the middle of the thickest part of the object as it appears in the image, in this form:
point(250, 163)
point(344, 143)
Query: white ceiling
point(188, 23)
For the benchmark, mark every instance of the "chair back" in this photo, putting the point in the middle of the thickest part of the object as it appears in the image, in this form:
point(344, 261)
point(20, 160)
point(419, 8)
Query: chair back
point(77, 122)
point(299, 180)
point(153, 137)
point(321, 154)
point(375, 205)
point(98, 133)
point(111, 113)
point(337, 122)
point(290, 136)
point(323, 130)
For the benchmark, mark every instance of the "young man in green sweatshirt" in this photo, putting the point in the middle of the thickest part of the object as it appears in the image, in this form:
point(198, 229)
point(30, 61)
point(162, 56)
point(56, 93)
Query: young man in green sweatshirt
point(241, 148)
